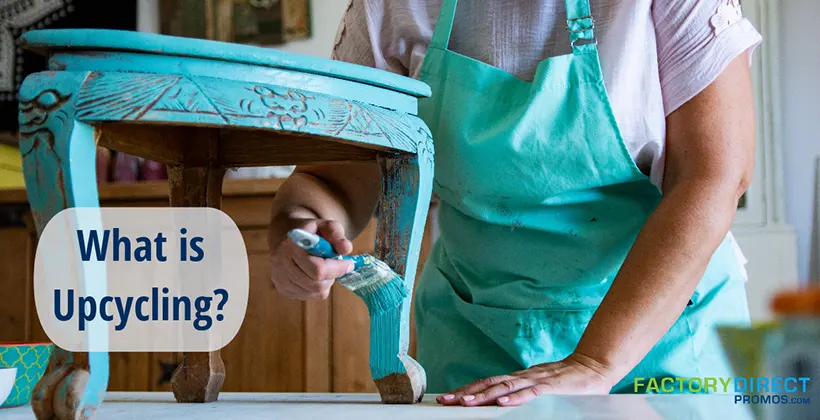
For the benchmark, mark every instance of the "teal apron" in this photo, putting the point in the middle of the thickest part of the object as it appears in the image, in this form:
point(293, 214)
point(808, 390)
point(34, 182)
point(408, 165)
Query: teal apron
point(540, 203)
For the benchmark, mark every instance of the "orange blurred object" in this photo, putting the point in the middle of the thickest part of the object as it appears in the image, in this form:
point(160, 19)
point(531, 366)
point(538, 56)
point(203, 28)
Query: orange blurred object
point(804, 302)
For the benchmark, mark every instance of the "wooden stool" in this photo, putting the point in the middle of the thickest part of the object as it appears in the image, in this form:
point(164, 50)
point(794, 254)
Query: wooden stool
point(201, 107)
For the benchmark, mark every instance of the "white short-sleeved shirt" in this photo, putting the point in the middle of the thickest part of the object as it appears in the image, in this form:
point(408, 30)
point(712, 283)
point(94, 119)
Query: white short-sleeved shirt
point(655, 55)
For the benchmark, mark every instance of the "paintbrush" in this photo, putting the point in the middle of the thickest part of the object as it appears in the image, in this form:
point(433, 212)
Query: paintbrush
point(375, 282)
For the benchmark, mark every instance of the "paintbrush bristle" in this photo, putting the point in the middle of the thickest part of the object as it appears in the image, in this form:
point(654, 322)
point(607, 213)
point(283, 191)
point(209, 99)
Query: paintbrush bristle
point(377, 285)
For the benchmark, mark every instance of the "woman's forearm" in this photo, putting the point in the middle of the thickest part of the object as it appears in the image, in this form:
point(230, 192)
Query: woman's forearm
point(346, 193)
point(659, 276)
point(709, 164)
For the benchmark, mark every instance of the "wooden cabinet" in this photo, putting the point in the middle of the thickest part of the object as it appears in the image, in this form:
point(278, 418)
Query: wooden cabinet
point(283, 345)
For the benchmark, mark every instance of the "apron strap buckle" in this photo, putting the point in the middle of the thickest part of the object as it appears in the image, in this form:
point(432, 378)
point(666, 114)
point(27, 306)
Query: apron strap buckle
point(581, 29)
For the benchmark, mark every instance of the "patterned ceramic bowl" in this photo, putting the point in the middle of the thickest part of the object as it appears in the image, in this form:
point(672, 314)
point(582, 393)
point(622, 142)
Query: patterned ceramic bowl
point(31, 360)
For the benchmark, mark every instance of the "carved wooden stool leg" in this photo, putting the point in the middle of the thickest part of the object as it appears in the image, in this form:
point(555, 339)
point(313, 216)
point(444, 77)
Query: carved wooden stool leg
point(407, 182)
point(199, 378)
point(201, 375)
point(59, 157)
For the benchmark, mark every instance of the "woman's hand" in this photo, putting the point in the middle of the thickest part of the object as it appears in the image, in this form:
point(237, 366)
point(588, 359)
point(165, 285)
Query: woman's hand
point(297, 275)
point(334, 201)
point(577, 374)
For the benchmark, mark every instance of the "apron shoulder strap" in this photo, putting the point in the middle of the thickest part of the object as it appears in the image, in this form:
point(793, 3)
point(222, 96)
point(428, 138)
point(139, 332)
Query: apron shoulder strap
point(444, 25)
point(579, 23)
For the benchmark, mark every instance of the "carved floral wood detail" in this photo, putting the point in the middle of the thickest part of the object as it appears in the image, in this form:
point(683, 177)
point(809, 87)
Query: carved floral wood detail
point(214, 101)
point(34, 113)
point(42, 118)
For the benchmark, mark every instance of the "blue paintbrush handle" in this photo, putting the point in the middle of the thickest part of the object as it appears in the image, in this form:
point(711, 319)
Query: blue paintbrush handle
point(317, 246)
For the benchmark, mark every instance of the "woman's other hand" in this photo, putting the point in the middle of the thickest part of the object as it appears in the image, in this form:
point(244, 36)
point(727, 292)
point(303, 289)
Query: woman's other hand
point(577, 374)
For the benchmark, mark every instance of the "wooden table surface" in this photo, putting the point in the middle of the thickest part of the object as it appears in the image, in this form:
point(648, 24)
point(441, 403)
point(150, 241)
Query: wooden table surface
point(246, 406)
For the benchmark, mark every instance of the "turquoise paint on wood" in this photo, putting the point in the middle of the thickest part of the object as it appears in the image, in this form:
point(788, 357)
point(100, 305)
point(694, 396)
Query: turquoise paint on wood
point(106, 61)
point(385, 343)
point(59, 155)
point(406, 192)
point(201, 100)
point(101, 77)
point(100, 39)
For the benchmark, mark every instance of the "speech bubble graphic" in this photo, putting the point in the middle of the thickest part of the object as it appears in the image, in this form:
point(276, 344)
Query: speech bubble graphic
point(141, 279)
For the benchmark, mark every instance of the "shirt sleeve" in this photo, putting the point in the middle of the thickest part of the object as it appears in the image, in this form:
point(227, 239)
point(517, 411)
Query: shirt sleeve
point(380, 34)
point(696, 41)
point(390, 35)
point(352, 42)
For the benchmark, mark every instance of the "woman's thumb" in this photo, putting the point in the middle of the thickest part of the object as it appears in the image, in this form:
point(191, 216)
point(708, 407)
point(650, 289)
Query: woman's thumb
point(334, 233)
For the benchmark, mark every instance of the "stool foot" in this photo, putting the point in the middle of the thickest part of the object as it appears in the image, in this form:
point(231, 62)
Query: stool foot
point(199, 378)
point(399, 378)
point(403, 388)
point(61, 394)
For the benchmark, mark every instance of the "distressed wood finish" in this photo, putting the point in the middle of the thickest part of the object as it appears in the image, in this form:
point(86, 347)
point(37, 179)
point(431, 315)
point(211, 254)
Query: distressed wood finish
point(212, 101)
point(119, 62)
point(59, 155)
point(199, 107)
point(406, 190)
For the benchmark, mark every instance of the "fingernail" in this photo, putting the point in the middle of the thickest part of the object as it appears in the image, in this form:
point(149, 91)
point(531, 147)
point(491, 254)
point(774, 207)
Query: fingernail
point(468, 397)
point(502, 400)
point(350, 268)
point(449, 397)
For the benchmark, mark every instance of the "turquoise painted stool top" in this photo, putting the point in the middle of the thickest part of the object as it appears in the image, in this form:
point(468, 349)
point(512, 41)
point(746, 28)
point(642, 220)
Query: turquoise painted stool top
point(110, 40)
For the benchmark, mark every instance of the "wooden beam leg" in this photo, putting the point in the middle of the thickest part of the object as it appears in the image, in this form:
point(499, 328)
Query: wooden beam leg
point(201, 375)
point(407, 184)
point(59, 156)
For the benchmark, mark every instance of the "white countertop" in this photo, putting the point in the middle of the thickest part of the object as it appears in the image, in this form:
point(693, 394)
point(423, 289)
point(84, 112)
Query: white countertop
point(157, 406)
